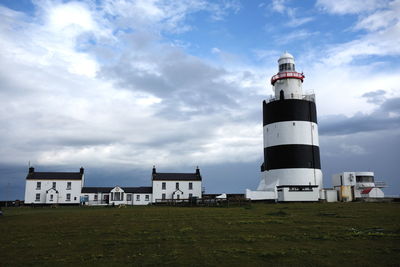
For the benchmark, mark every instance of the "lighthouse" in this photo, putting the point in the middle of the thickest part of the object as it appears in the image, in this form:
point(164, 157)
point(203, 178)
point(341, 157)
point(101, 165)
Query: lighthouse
point(291, 170)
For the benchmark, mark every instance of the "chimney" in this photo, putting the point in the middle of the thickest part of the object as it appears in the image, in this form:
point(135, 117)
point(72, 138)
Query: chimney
point(81, 170)
point(197, 170)
point(154, 169)
point(31, 170)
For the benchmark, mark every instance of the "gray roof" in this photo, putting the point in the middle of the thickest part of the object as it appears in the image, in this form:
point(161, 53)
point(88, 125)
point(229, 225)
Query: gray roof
point(138, 190)
point(54, 176)
point(135, 190)
point(164, 176)
point(96, 189)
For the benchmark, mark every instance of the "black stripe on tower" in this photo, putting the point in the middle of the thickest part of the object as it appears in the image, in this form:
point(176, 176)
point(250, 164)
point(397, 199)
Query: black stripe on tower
point(292, 156)
point(289, 110)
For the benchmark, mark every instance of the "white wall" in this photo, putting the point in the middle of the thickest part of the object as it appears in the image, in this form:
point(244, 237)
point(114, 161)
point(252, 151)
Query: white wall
point(289, 86)
point(285, 195)
point(260, 195)
point(61, 187)
point(285, 133)
point(170, 189)
point(293, 176)
point(142, 199)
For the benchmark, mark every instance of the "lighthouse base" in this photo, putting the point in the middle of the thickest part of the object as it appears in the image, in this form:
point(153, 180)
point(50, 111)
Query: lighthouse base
point(288, 185)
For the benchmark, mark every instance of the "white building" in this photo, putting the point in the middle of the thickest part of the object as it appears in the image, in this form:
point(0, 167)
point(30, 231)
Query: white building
point(67, 188)
point(116, 195)
point(291, 170)
point(53, 187)
point(177, 186)
point(353, 185)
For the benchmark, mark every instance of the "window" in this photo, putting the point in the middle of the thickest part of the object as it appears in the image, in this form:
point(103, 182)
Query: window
point(38, 185)
point(115, 196)
point(286, 66)
point(147, 197)
point(137, 197)
point(163, 196)
point(54, 185)
point(68, 197)
point(177, 185)
point(129, 197)
point(190, 186)
point(95, 197)
point(69, 185)
point(178, 197)
point(364, 179)
point(163, 186)
point(190, 195)
point(51, 197)
point(37, 197)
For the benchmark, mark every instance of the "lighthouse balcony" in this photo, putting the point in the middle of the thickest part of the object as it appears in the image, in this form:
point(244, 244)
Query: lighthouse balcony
point(308, 97)
point(285, 75)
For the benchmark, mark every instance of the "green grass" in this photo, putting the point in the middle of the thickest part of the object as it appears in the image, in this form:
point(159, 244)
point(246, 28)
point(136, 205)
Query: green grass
point(361, 234)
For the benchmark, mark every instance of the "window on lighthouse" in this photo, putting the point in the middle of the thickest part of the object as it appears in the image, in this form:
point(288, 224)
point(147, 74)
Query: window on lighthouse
point(286, 66)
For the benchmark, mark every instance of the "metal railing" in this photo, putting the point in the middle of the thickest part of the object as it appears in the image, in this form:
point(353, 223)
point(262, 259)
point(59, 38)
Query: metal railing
point(288, 74)
point(308, 97)
point(380, 184)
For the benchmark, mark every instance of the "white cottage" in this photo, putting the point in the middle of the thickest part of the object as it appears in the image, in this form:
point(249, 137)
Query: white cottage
point(53, 187)
point(168, 186)
point(116, 195)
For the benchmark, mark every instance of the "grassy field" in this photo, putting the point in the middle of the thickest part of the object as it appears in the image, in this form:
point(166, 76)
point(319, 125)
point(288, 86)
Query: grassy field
point(361, 234)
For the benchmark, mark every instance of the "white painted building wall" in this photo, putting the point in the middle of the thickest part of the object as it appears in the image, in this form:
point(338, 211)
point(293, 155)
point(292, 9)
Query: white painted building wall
point(286, 194)
point(141, 199)
point(170, 188)
point(31, 190)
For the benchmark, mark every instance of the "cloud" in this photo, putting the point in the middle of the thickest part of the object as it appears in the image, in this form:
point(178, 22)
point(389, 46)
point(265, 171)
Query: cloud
point(284, 7)
point(294, 36)
point(386, 116)
point(127, 97)
point(163, 15)
point(382, 24)
point(375, 97)
point(350, 6)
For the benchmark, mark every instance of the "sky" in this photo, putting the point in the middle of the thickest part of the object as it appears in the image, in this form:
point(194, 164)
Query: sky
point(120, 86)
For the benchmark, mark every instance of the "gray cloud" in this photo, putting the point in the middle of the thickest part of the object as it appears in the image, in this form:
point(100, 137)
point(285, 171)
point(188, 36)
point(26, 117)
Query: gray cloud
point(386, 116)
point(375, 97)
point(186, 85)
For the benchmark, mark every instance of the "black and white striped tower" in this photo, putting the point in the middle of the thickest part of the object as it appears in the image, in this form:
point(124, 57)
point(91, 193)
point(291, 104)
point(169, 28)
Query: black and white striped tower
point(291, 148)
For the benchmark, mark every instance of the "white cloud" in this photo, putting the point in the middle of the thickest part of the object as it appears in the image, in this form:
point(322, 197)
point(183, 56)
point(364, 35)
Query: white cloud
point(279, 6)
point(74, 112)
point(381, 19)
point(284, 7)
point(352, 149)
point(350, 6)
point(384, 30)
point(294, 36)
